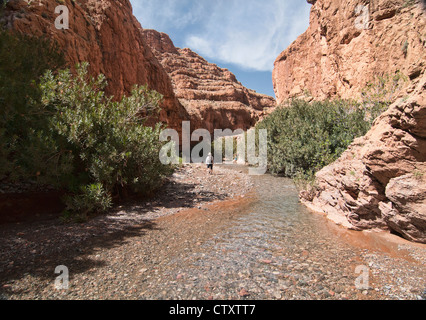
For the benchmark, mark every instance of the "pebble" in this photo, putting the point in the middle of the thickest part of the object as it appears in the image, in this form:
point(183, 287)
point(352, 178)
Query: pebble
point(213, 255)
point(265, 261)
point(244, 293)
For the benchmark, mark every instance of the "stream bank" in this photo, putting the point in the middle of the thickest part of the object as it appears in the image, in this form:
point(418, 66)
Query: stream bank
point(226, 236)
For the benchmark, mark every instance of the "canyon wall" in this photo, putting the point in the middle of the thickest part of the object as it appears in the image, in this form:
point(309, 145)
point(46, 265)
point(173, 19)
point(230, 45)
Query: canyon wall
point(343, 49)
point(107, 35)
point(212, 95)
point(380, 181)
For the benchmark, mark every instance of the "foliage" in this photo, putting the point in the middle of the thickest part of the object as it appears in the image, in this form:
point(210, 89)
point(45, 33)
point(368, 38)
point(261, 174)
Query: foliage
point(380, 93)
point(92, 199)
point(59, 128)
point(418, 174)
point(3, 4)
point(304, 137)
point(409, 3)
point(306, 181)
point(23, 59)
point(110, 145)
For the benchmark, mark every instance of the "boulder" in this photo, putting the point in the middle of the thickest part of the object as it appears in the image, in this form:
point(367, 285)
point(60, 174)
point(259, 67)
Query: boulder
point(380, 181)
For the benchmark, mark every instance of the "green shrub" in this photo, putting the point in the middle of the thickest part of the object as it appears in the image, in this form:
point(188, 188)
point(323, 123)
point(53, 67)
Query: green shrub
point(23, 59)
point(5, 164)
point(418, 174)
point(92, 199)
point(108, 141)
point(3, 4)
point(59, 128)
point(305, 181)
point(304, 137)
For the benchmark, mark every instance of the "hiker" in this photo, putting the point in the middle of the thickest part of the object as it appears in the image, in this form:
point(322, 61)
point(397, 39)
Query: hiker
point(209, 162)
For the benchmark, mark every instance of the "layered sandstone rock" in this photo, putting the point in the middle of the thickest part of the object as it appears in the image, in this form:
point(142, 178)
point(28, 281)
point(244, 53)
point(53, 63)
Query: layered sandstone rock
point(339, 53)
point(212, 95)
point(380, 181)
point(107, 35)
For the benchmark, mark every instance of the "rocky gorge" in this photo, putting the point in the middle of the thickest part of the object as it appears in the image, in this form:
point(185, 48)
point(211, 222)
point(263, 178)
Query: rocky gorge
point(106, 34)
point(379, 182)
point(231, 235)
point(341, 51)
point(210, 94)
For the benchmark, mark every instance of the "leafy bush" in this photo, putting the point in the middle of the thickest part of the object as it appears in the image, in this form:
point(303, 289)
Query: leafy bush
point(306, 182)
point(59, 128)
point(108, 143)
point(23, 59)
point(304, 137)
point(92, 199)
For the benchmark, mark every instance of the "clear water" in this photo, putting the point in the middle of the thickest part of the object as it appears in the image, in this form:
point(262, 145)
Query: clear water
point(274, 248)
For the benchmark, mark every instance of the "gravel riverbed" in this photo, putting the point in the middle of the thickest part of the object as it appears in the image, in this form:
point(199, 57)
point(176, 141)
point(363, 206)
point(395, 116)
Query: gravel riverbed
point(221, 236)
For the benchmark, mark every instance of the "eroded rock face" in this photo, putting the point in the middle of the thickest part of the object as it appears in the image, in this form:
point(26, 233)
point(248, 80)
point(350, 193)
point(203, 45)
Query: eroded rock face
point(380, 181)
point(404, 211)
point(107, 35)
point(211, 95)
point(339, 54)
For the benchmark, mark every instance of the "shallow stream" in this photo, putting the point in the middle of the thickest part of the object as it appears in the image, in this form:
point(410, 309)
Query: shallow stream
point(272, 247)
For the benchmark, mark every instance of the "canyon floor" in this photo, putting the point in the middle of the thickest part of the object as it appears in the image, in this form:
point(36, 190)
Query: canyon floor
point(222, 236)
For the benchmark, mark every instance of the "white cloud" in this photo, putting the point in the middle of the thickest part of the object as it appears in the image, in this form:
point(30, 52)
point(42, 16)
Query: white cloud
point(165, 14)
point(248, 33)
point(201, 44)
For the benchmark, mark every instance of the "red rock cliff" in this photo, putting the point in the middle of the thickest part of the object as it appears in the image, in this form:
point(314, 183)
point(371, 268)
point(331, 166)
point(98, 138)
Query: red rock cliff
point(380, 181)
point(339, 54)
point(211, 95)
point(107, 35)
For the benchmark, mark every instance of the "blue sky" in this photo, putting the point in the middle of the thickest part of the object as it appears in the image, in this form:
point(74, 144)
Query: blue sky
point(244, 36)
